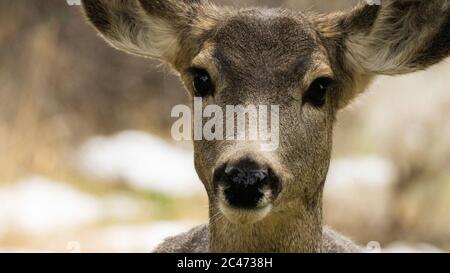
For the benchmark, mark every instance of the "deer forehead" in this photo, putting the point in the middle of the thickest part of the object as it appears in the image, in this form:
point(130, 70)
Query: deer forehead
point(265, 47)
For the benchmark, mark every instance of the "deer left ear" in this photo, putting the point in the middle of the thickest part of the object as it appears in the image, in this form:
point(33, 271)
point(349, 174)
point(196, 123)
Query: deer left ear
point(167, 30)
point(398, 36)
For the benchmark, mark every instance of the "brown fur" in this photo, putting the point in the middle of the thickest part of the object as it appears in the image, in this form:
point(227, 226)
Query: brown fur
point(197, 241)
point(271, 56)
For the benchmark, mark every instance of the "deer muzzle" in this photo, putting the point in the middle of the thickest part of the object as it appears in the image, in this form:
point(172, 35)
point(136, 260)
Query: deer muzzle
point(245, 189)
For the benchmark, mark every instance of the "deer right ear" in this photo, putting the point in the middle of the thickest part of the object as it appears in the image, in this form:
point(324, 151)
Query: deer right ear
point(159, 29)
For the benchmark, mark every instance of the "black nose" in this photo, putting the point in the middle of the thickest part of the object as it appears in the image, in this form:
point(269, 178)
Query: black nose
point(246, 182)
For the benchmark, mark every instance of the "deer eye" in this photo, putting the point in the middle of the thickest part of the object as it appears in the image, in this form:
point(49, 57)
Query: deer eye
point(203, 85)
point(317, 91)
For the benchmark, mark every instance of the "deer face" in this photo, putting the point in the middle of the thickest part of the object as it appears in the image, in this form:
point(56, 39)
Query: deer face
point(266, 58)
point(309, 66)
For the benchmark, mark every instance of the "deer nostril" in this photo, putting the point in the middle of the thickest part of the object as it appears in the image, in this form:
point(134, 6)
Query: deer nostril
point(230, 170)
point(245, 178)
point(260, 175)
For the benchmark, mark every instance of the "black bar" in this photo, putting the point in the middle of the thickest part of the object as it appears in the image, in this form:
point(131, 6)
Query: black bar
point(157, 263)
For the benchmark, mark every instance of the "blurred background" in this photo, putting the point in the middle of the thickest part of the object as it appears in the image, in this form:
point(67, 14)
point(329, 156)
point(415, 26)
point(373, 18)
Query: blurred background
point(85, 135)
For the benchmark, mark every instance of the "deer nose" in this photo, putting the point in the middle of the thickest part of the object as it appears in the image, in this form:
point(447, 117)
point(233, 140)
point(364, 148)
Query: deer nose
point(247, 184)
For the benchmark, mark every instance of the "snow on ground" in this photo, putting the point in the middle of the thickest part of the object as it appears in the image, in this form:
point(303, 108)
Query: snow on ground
point(37, 205)
point(143, 161)
point(120, 238)
point(138, 238)
point(359, 172)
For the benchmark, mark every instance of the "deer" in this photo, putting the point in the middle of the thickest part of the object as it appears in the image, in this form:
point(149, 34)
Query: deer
point(312, 65)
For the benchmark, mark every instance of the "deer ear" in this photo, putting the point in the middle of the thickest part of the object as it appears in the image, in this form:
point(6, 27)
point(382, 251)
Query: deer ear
point(159, 29)
point(391, 36)
point(397, 36)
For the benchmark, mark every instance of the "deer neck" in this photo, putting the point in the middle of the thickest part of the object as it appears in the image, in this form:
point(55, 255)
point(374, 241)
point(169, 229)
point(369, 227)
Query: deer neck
point(298, 230)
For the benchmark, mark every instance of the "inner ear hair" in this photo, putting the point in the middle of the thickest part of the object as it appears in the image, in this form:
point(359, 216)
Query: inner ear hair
point(400, 36)
point(167, 30)
point(128, 27)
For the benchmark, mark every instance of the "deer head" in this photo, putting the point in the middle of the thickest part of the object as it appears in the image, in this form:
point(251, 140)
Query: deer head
point(310, 65)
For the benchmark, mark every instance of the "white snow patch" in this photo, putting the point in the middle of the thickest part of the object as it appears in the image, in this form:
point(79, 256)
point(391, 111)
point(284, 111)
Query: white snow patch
point(358, 172)
point(37, 205)
point(140, 238)
point(143, 161)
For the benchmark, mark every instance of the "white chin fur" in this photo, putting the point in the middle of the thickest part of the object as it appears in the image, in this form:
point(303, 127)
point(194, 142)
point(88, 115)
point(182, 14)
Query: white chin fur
point(244, 216)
